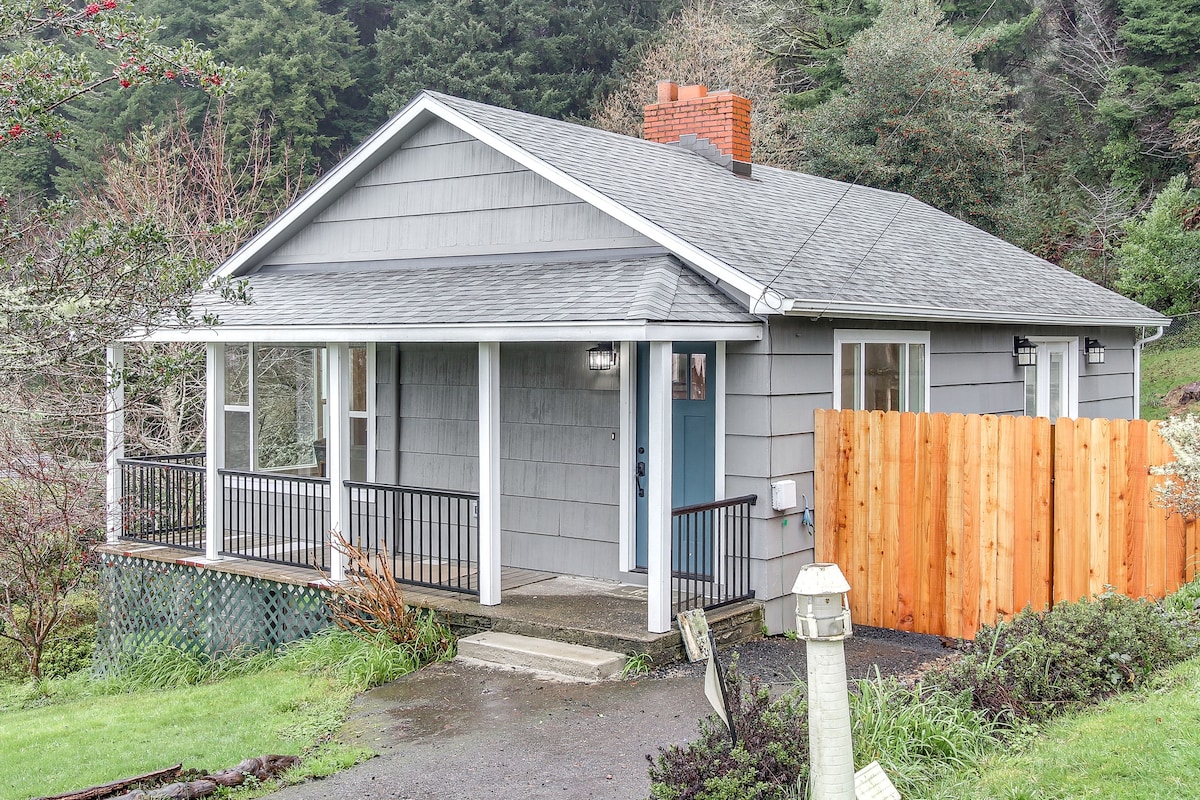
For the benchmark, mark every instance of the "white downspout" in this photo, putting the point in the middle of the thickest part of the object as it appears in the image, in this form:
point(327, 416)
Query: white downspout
point(1137, 369)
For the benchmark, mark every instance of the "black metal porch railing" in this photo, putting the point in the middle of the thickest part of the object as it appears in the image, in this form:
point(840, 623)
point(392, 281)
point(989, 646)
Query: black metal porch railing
point(162, 499)
point(431, 537)
point(710, 558)
point(278, 518)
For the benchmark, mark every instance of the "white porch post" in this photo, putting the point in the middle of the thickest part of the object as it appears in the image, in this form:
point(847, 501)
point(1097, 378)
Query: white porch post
point(214, 456)
point(489, 473)
point(337, 457)
point(658, 490)
point(114, 438)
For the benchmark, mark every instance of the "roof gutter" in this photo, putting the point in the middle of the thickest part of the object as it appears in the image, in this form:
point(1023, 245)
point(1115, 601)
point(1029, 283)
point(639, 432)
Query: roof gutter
point(820, 309)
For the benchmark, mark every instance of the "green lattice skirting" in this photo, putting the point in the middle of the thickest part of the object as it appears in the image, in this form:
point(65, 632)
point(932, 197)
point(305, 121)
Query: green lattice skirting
point(199, 610)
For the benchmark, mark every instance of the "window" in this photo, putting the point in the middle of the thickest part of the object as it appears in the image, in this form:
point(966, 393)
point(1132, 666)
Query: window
point(1051, 385)
point(276, 408)
point(689, 376)
point(881, 370)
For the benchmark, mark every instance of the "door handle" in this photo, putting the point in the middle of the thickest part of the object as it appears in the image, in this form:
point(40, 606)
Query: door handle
point(640, 473)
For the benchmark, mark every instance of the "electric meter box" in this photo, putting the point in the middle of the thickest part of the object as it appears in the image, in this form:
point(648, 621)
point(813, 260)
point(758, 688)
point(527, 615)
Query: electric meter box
point(783, 495)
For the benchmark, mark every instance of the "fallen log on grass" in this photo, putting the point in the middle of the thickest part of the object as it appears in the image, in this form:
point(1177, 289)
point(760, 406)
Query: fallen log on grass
point(107, 789)
point(262, 768)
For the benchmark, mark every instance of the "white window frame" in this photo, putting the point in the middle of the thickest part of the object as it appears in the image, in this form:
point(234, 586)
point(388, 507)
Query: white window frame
point(320, 364)
point(369, 413)
point(851, 336)
point(1069, 345)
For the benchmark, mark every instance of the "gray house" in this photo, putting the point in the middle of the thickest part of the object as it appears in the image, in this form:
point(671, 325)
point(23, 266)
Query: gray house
point(488, 341)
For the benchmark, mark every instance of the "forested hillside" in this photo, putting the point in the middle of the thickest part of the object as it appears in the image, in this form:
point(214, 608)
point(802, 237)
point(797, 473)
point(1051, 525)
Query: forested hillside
point(143, 141)
point(1058, 124)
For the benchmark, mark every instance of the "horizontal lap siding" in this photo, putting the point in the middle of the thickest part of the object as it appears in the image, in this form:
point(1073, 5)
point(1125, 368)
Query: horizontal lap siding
point(441, 194)
point(559, 468)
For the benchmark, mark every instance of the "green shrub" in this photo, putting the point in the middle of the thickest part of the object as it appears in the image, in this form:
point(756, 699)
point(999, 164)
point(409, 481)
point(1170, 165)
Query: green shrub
point(1186, 600)
point(771, 756)
point(917, 734)
point(1039, 664)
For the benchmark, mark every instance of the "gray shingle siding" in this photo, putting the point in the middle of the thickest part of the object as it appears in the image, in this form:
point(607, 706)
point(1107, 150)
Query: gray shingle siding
point(559, 467)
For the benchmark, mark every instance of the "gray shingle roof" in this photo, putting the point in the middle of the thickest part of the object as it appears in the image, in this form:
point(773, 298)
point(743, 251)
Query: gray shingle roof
point(649, 288)
point(822, 243)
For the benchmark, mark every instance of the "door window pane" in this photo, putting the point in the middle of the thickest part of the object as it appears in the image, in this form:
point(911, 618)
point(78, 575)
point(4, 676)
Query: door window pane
point(1057, 378)
point(698, 376)
point(679, 376)
point(1031, 395)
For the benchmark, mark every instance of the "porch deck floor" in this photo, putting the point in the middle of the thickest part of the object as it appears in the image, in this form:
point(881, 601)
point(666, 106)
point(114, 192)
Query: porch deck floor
point(597, 613)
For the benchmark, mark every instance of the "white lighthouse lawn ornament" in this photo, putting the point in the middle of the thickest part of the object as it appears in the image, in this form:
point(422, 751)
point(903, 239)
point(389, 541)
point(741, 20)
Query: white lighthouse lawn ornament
point(823, 621)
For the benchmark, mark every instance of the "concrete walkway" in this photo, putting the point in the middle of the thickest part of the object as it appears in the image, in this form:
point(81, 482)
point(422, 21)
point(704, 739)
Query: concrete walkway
point(467, 732)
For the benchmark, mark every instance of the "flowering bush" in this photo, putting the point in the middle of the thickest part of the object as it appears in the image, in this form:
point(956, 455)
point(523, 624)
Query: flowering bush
point(1181, 491)
point(45, 63)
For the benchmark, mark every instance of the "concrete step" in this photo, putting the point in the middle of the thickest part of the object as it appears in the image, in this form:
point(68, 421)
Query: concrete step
point(542, 655)
point(732, 624)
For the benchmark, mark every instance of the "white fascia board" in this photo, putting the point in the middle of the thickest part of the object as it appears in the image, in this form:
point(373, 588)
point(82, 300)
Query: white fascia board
point(520, 332)
point(300, 212)
point(815, 309)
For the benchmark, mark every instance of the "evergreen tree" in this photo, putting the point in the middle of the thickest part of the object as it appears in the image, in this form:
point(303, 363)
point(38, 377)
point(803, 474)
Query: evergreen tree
point(916, 116)
point(548, 57)
point(1160, 257)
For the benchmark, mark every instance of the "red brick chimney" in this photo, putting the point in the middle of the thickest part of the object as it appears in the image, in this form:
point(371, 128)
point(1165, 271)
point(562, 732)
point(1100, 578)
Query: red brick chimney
point(723, 118)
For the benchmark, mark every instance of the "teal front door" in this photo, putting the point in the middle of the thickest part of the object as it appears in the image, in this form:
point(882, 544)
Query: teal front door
point(693, 439)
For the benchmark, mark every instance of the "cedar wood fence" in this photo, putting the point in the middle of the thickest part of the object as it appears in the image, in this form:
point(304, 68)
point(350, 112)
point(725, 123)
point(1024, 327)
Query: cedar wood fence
point(945, 522)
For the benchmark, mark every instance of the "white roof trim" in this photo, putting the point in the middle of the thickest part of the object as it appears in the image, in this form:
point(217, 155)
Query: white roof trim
point(817, 309)
point(299, 212)
point(470, 332)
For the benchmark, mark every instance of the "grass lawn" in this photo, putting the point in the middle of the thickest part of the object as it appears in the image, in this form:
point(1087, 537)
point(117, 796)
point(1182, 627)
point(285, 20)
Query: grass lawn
point(1143, 746)
point(1162, 371)
point(89, 740)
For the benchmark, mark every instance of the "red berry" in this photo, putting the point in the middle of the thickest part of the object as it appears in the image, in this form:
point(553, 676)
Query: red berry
point(110, 4)
point(92, 9)
point(124, 83)
point(170, 75)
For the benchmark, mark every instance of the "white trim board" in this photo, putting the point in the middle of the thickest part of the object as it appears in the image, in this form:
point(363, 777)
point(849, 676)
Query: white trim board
point(471, 332)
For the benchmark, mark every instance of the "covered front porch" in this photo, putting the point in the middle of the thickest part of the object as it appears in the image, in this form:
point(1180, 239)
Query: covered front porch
point(556, 469)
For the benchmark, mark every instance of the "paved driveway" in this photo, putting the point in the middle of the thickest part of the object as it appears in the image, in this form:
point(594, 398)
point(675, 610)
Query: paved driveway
point(468, 732)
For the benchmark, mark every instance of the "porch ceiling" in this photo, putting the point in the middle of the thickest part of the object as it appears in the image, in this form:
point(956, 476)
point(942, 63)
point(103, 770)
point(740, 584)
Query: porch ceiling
point(621, 294)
